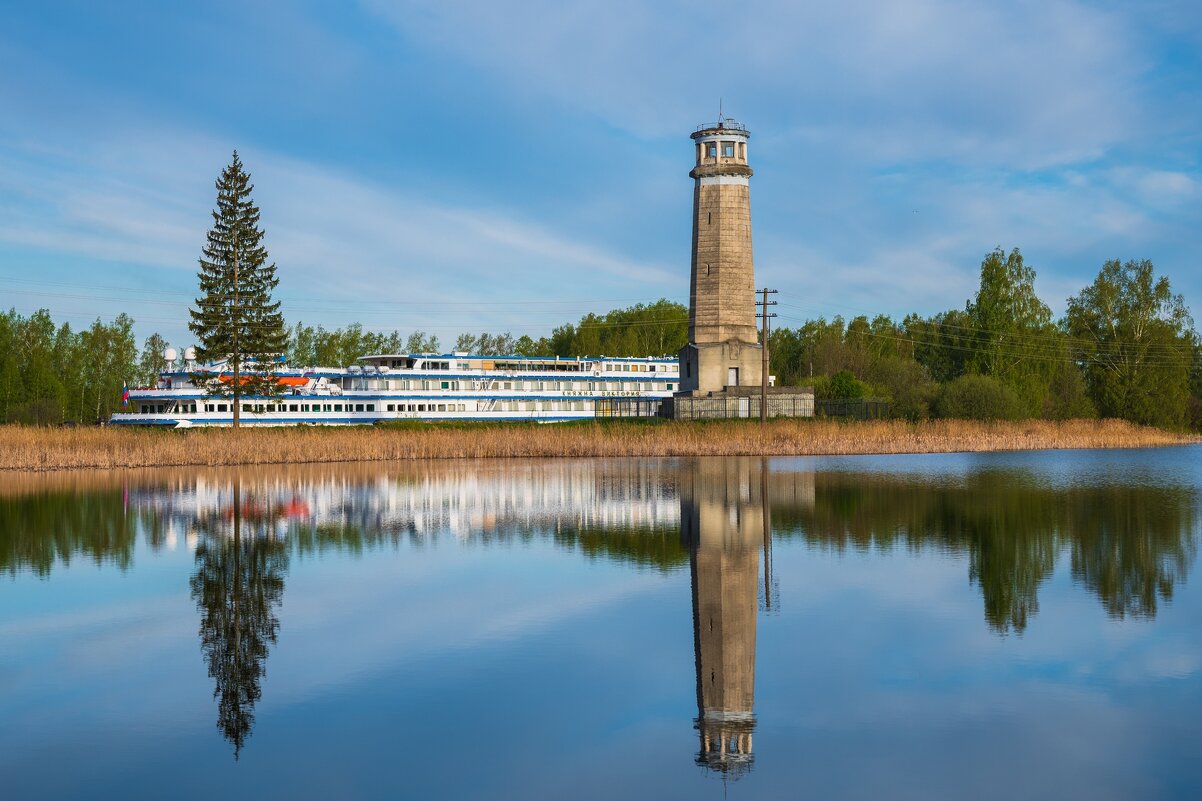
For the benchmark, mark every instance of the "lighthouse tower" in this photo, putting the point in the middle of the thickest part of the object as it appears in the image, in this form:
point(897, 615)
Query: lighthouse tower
point(723, 350)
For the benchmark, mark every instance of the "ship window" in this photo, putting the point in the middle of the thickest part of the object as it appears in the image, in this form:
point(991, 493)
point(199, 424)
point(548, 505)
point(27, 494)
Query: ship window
point(371, 407)
point(669, 386)
point(446, 384)
point(292, 407)
point(326, 407)
point(392, 407)
point(463, 407)
point(442, 407)
point(358, 407)
point(421, 407)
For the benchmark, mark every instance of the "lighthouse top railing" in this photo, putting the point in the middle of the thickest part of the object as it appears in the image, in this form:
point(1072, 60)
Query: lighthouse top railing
point(722, 125)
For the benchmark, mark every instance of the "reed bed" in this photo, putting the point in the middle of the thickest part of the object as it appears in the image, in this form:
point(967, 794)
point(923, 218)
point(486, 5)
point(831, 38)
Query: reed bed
point(45, 449)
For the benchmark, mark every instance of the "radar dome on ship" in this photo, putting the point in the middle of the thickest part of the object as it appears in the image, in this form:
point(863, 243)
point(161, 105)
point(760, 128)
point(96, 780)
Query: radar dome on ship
point(190, 354)
point(171, 354)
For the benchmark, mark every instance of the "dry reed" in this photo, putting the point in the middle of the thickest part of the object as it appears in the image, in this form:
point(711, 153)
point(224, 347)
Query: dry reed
point(43, 449)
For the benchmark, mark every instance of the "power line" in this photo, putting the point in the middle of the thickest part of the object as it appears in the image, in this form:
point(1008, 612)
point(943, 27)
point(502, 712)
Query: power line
point(1051, 338)
point(1156, 359)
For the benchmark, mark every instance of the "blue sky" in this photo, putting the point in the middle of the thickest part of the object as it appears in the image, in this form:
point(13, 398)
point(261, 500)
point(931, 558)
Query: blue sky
point(455, 166)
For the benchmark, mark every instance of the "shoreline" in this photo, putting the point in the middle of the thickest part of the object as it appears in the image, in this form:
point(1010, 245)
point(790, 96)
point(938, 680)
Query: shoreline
point(54, 449)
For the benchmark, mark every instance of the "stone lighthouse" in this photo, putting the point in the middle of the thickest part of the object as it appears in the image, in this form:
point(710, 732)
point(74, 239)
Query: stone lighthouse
point(723, 351)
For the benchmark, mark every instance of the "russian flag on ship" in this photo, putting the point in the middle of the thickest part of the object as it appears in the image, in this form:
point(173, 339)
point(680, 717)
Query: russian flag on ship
point(124, 395)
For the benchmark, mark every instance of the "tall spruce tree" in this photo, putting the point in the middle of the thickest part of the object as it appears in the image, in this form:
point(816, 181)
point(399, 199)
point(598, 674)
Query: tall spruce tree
point(235, 319)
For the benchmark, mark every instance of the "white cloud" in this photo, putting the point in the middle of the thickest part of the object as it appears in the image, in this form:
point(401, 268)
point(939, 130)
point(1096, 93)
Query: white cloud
point(339, 240)
point(1040, 83)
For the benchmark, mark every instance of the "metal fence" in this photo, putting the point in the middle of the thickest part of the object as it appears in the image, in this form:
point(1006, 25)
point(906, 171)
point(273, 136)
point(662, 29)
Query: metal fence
point(735, 406)
point(628, 407)
point(852, 409)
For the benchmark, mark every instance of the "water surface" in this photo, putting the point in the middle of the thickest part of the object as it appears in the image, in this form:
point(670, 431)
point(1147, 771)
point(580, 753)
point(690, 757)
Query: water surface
point(949, 626)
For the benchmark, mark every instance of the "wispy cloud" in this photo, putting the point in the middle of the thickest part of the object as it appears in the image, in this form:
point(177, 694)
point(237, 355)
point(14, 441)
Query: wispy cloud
point(895, 144)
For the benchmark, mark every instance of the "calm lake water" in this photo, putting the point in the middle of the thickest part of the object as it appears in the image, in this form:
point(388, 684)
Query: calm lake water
point(955, 626)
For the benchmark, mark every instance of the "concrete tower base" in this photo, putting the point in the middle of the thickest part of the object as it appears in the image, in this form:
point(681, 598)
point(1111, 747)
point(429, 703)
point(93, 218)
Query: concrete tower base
point(718, 366)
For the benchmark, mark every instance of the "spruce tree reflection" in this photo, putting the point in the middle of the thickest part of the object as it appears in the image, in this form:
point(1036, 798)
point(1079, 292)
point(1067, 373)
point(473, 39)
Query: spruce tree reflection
point(722, 524)
point(237, 586)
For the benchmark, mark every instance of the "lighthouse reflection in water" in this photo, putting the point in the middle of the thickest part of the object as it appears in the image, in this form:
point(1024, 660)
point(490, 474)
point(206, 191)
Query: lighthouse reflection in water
point(723, 521)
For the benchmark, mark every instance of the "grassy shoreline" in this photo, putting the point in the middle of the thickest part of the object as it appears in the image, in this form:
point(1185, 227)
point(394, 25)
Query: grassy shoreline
point(47, 449)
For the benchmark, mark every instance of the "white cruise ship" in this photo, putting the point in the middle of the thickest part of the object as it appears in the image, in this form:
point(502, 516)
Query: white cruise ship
point(384, 387)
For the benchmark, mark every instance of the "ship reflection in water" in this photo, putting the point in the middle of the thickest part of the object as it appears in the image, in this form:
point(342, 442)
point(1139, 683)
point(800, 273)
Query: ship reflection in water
point(240, 530)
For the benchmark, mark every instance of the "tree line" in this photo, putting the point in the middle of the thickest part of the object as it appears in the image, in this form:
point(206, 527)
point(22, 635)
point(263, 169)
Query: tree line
point(1126, 347)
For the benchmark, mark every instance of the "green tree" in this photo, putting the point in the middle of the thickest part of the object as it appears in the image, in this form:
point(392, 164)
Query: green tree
point(44, 390)
point(12, 386)
point(302, 346)
point(421, 342)
point(1007, 316)
point(152, 361)
point(235, 319)
point(111, 352)
point(1012, 335)
point(1136, 340)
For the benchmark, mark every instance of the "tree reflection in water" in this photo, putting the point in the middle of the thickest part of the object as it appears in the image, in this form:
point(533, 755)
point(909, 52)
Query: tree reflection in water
point(238, 586)
point(1129, 543)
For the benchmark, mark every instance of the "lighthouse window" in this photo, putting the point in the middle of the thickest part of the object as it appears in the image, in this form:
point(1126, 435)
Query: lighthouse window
point(728, 149)
point(711, 150)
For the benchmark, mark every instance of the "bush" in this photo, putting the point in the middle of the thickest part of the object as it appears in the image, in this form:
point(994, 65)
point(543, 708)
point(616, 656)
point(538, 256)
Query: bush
point(844, 386)
point(978, 397)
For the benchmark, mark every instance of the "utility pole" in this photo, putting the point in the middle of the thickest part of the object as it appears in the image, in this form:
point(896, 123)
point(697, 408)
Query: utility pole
point(764, 315)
